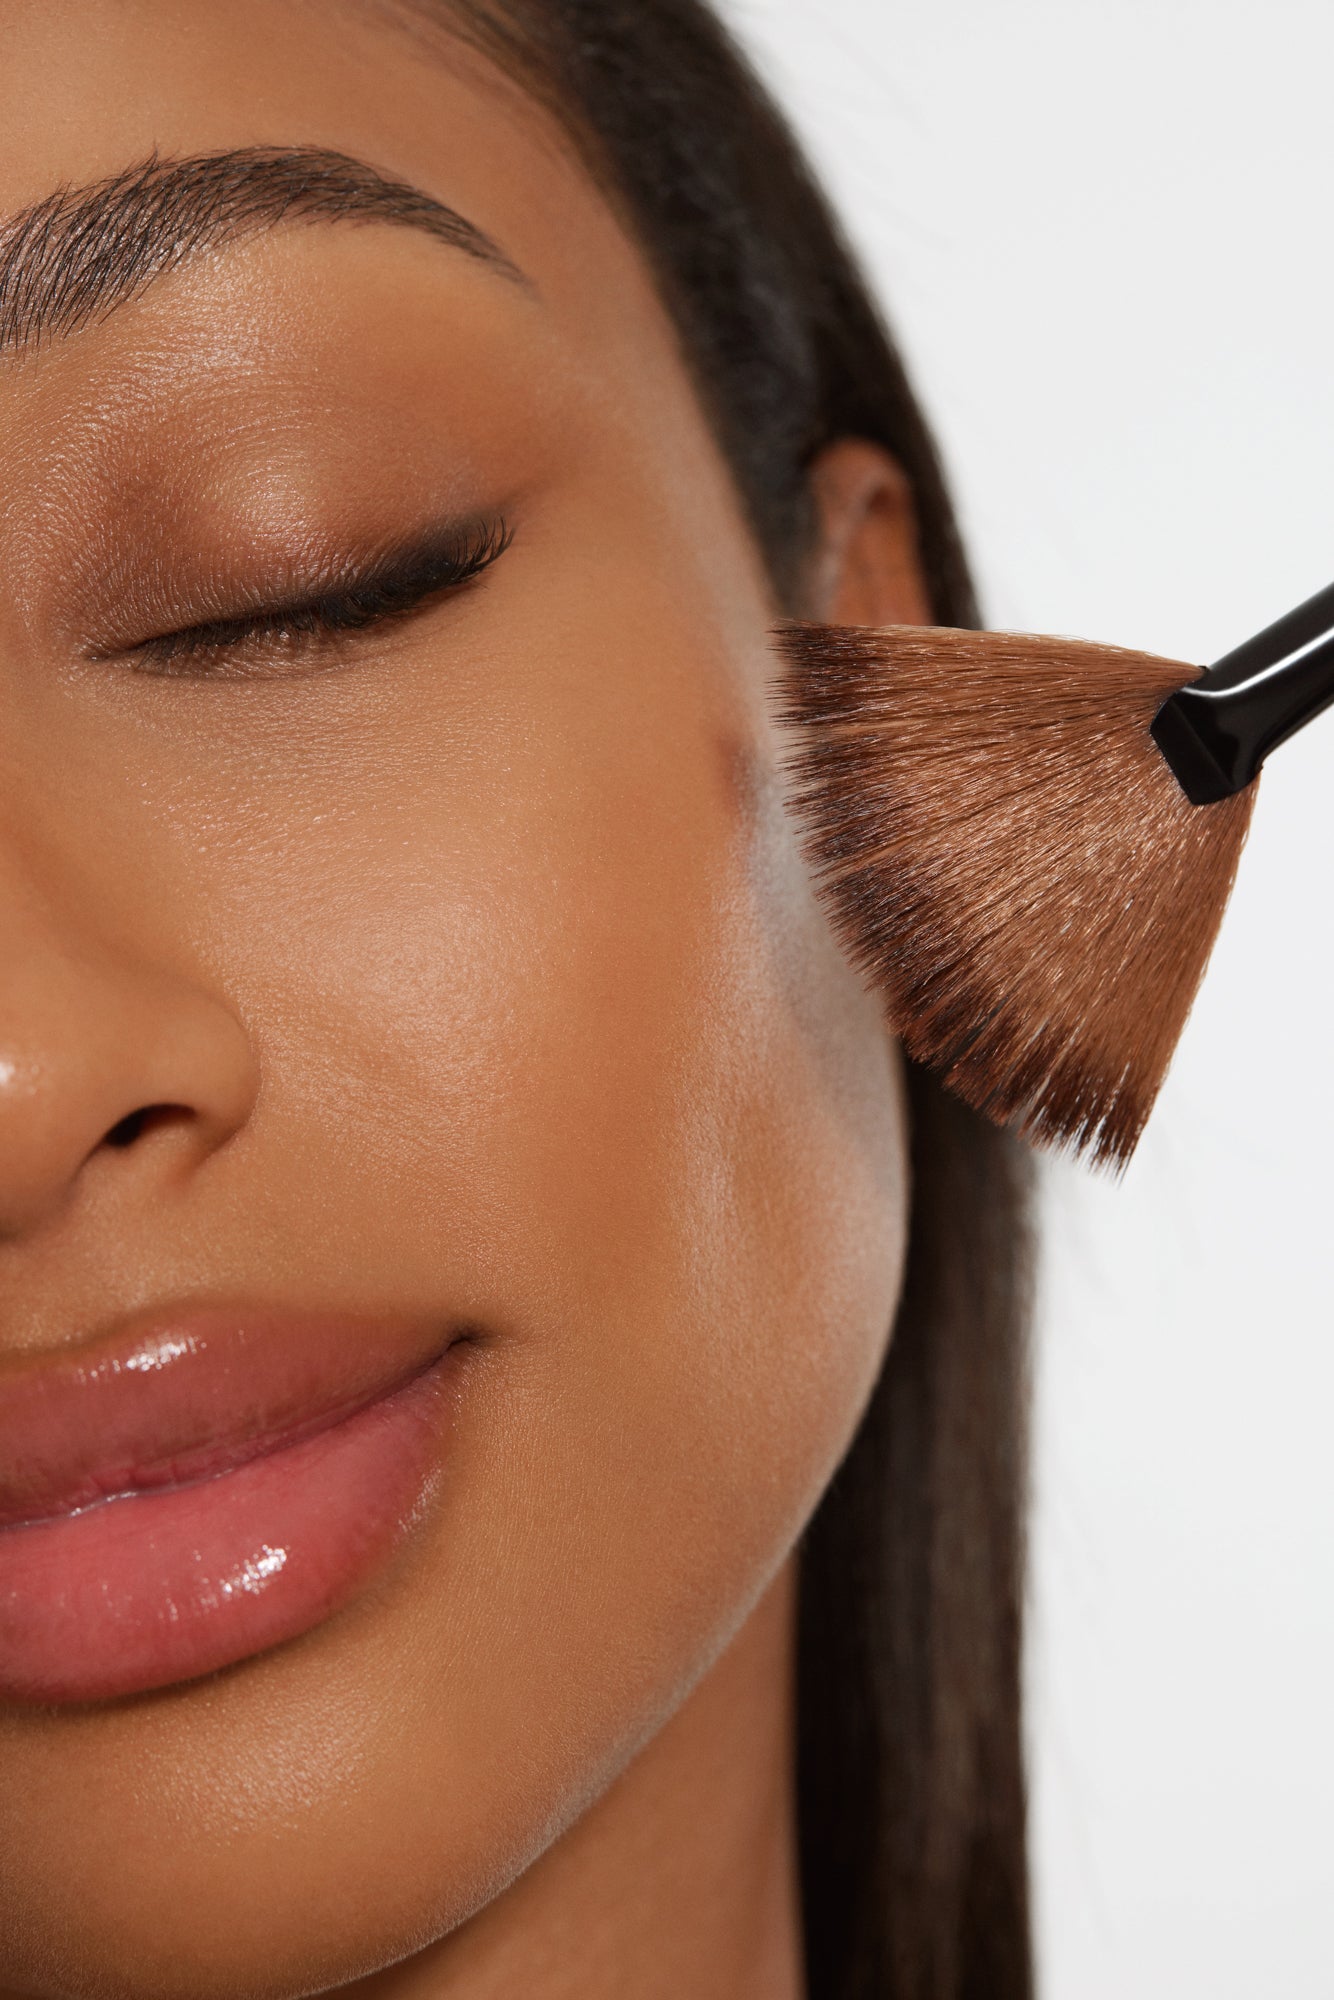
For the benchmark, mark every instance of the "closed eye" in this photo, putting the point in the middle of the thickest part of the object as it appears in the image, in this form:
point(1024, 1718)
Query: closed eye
point(271, 637)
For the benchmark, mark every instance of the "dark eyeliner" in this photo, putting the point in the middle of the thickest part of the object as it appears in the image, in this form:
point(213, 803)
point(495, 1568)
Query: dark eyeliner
point(393, 586)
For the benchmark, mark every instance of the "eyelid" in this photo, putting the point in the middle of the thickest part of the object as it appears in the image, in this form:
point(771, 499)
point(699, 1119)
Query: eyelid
point(358, 597)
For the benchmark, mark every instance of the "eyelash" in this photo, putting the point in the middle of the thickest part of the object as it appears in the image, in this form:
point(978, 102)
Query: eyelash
point(387, 591)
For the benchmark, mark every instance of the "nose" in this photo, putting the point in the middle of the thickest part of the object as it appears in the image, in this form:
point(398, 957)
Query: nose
point(103, 1058)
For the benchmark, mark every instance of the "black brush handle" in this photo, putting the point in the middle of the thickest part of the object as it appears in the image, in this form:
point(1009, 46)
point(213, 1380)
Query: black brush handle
point(1217, 732)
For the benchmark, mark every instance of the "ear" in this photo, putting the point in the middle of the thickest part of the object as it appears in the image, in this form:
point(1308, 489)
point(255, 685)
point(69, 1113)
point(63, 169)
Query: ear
point(867, 570)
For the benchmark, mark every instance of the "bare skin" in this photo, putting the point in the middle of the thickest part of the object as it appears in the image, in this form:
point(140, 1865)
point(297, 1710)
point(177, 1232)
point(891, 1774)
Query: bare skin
point(477, 961)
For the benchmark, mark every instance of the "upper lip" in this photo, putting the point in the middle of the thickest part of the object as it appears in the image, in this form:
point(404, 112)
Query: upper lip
point(174, 1395)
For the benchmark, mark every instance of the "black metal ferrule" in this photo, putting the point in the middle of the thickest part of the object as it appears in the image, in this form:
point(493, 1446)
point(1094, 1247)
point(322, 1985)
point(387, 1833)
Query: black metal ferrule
point(1216, 733)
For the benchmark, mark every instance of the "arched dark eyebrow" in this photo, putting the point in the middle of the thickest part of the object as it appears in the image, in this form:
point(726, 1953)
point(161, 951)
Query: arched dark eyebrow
point(77, 255)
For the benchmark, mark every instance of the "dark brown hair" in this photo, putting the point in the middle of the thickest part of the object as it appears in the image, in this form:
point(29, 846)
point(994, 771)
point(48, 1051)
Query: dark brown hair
point(909, 1759)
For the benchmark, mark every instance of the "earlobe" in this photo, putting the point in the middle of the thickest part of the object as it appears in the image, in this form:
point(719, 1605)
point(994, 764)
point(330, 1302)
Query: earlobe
point(868, 568)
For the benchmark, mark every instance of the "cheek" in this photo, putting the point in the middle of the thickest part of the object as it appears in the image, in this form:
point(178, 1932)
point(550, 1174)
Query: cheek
point(591, 1068)
point(648, 1127)
point(602, 1082)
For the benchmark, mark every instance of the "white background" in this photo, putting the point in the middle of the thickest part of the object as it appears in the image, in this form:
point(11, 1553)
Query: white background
point(1104, 230)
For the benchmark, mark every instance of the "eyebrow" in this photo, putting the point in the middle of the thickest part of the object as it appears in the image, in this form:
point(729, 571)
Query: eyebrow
point(77, 255)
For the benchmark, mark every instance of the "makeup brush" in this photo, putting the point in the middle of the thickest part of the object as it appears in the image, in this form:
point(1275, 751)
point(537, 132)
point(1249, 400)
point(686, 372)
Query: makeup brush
point(1027, 844)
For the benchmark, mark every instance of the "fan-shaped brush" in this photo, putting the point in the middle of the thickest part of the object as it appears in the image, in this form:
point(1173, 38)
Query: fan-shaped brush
point(1028, 844)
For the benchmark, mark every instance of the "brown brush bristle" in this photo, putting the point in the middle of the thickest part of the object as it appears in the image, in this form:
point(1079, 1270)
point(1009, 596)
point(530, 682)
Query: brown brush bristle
point(1009, 859)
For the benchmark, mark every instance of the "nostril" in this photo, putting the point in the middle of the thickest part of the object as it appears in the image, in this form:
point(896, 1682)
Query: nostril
point(127, 1130)
point(132, 1127)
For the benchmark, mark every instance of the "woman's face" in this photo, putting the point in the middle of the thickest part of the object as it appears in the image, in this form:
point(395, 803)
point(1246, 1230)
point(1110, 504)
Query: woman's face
point(464, 961)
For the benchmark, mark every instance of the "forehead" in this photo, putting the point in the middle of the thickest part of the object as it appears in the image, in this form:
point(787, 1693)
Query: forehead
point(90, 87)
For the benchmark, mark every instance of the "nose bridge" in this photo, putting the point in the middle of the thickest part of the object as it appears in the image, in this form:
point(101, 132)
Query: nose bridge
point(94, 1029)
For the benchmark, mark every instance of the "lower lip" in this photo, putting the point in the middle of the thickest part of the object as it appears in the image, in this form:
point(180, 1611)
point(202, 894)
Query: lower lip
point(151, 1589)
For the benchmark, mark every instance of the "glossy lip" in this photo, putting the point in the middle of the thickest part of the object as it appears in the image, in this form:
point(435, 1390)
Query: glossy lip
point(195, 1486)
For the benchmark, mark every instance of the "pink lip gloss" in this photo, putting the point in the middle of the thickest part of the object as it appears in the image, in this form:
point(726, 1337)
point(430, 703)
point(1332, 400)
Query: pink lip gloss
point(197, 1489)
